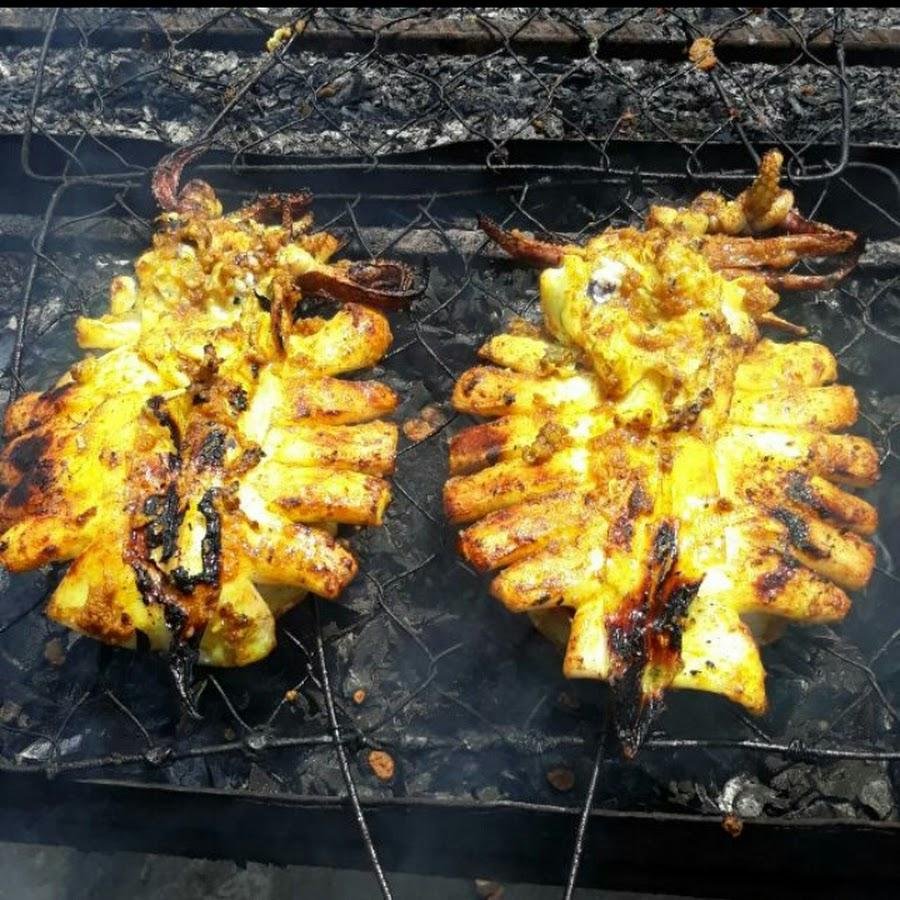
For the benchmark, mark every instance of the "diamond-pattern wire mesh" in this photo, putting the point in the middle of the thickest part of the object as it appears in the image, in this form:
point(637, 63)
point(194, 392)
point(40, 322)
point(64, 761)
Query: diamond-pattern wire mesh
point(466, 698)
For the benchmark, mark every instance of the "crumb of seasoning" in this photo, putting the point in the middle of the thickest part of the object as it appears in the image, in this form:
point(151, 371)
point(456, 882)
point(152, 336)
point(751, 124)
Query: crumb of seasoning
point(291, 696)
point(382, 764)
point(425, 424)
point(54, 653)
point(486, 889)
point(702, 54)
point(733, 825)
point(228, 734)
point(561, 779)
point(358, 696)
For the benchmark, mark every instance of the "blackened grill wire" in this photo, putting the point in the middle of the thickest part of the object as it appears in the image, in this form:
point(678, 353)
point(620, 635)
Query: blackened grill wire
point(245, 92)
point(342, 760)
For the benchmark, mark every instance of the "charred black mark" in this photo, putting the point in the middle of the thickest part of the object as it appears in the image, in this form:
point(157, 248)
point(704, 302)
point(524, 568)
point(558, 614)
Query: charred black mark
point(265, 304)
point(621, 532)
point(152, 589)
point(211, 363)
point(162, 415)
point(162, 530)
point(250, 458)
point(798, 532)
point(626, 635)
point(38, 479)
point(156, 588)
point(168, 224)
point(799, 490)
point(770, 585)
point(26, 452)
point(467, 385)
point(85, 517)
point(238, 400)
point(210, 549)
point(665, 546)
point(315, 306)
point(212, 451)
point(633, 710)
point(647, 634)
point(600, 288)
point(181, 659)
point(181, 655)
point(669, 624)
point(639, 502)
point(687, 415)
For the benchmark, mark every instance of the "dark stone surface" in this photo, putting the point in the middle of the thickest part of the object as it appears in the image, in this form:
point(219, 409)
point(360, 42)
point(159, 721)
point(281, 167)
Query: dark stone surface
point(38, 872)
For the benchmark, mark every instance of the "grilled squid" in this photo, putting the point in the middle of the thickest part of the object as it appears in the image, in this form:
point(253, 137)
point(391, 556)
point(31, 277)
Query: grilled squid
point(196, 470)
point(652, 474)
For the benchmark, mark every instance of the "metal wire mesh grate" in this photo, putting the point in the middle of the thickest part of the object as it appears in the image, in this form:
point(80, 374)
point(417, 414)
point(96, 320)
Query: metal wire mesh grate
point(406, 125)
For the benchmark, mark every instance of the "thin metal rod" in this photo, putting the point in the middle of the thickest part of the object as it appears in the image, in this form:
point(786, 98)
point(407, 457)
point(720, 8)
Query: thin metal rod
point(578, 850)
point(342, 760)
point(28, 291)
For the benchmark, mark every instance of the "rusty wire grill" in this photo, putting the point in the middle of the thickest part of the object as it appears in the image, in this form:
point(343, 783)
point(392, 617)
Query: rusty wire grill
point(406, 124)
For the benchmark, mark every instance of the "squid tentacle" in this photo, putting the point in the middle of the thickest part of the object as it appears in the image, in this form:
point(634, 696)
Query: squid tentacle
point(272, 206)
point(524, 247)
point(167, 176)
point(379, 282)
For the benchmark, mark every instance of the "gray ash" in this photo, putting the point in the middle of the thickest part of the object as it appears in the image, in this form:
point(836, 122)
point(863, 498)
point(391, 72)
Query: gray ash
point(360, 104)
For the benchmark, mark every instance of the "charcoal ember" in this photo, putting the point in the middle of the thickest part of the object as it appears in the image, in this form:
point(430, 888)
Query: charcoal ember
point(419, 782)
point(877, 797)
point(808, 683)
point(847, 781)
point(744, 796)
point(9, 711)
point(261, 781)
point(189, 772)
point(825, 809)
point(316, 772)
point(794, 782)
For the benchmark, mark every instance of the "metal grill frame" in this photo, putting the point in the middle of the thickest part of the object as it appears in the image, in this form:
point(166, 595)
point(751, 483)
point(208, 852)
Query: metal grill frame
point(604, 846)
